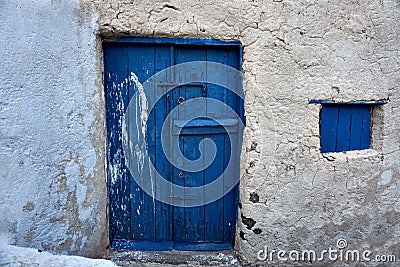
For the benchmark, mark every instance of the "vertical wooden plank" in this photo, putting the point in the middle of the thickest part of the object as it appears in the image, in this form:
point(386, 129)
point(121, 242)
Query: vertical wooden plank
point(231, 199)
point(149, 201)
point(115, 72)
point(366, 127)
point(214, 225)
point(163, 218)
point(356, 127)
point(194, 217)
point(218, 55)
point(360, 127)
point(214, 211)
point(141, 63)
point(329, 127)
point(234, 101)
point(344, 127)
point(179, 227)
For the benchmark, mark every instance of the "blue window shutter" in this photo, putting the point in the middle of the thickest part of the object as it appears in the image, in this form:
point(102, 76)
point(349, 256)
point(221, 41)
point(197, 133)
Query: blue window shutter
point(345, 127)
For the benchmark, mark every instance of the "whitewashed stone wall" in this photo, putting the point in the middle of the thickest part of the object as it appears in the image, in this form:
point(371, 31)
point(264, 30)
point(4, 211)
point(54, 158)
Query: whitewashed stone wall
point(292, 196)
point(52, 179)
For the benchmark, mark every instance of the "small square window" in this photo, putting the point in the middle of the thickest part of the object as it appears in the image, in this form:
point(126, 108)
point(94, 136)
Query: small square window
point(345, 127)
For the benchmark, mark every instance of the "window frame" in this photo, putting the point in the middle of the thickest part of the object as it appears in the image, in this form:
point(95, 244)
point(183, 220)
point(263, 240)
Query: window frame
point(339, 130)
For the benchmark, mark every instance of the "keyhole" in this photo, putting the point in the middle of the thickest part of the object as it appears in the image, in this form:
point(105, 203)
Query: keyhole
point(181, 174)
point(180, 100)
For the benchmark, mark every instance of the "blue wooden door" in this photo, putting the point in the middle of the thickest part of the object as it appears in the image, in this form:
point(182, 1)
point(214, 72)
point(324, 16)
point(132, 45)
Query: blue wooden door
point(138, 220)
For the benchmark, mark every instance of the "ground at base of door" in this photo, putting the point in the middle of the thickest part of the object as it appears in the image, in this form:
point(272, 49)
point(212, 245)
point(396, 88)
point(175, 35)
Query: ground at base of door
point(173, 258)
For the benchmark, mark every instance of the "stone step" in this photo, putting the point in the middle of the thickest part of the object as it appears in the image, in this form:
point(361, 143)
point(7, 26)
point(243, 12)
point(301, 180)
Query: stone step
point(173, 258)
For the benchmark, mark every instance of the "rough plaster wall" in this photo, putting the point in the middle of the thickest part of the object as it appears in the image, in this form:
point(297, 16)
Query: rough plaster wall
point(292, 197)
point(52, 181)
